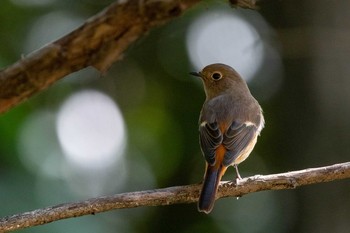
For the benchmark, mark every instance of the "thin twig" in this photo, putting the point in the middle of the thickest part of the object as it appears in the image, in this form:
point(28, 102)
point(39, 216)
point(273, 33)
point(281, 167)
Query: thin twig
point(175, 195)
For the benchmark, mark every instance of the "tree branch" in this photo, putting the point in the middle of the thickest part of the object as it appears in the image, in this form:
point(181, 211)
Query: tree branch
point(99, 42)
point(175, 195)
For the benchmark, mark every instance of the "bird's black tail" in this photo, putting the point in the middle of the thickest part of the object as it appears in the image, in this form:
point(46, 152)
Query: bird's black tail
point(210, 186)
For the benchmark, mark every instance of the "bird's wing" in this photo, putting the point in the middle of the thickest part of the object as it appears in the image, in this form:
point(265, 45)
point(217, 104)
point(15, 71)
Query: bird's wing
point(210, 138)
point(237, 138)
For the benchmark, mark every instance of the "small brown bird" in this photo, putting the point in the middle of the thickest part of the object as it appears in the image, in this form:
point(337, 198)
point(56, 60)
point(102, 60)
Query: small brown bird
point(229, 124)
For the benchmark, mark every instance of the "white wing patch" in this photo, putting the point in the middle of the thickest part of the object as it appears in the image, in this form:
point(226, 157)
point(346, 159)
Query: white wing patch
point(259, 127)
point(261, 124)
point(203, 123)
point(249, 123)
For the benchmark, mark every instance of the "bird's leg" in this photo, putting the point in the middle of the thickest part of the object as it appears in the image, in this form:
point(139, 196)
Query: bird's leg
point(238, 175)
point(237, 172)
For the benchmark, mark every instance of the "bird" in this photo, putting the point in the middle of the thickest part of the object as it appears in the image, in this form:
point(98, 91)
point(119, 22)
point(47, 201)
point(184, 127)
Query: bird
point(230, 121)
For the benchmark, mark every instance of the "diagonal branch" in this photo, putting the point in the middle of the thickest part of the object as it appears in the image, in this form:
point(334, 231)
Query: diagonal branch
point(175, 195)
point(99, 42)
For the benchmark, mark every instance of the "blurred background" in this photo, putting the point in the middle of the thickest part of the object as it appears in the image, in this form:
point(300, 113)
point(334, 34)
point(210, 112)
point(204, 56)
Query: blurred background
point(136, 127)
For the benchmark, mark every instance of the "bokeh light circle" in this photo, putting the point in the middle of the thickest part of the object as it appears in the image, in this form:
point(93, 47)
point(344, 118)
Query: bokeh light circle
point(221, 37)
point(91, 130)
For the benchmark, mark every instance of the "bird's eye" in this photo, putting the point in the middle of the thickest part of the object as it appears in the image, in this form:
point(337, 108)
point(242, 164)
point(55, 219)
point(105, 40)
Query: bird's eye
point(216, 76)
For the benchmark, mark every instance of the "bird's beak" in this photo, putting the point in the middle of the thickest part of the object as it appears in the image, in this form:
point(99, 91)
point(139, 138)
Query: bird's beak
point(198, 74)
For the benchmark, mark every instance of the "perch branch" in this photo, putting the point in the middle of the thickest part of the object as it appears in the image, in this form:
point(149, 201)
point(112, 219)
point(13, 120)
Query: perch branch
point(175, 195)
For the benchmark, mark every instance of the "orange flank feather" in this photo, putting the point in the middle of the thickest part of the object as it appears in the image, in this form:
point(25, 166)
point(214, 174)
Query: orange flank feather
point(219, 155)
